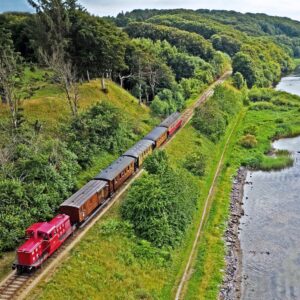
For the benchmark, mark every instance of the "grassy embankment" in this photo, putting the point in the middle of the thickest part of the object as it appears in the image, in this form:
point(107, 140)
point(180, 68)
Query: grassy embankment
point(279, 121)
point(47, 104)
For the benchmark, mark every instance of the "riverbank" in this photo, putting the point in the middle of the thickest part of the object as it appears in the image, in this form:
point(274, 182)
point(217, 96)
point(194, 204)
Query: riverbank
point(231, 287)
point(273, 119)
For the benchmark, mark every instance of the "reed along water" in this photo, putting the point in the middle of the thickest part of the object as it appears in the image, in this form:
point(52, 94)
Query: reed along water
point(270, 228)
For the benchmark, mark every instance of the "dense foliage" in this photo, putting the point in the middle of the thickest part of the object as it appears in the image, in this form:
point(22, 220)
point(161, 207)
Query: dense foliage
point(102, 128)
point(259, 57)
point(160, 205)
point(36, 175)
point(212, 118)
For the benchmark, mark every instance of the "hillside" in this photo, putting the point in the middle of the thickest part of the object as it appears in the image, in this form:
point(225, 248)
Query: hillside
point(48, 107)
point(260, 56)
point(78, 90)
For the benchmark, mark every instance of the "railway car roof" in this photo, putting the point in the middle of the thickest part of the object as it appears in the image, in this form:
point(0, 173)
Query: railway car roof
point(115, 168)
point(138, 148)
point(156, 133)
point(85, 193)
point(170, 119)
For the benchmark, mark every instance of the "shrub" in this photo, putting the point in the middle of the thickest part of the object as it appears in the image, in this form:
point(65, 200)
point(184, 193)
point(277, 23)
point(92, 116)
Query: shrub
point(253, 161)
point(160, 205)
point(263, 106)
point(210, 121)
point(248, 141)
point(196, 163)
point(101, 128)
point(157, 163)
point(238, 80)
point(282, 130)
point(252, 129)
point(258, 95)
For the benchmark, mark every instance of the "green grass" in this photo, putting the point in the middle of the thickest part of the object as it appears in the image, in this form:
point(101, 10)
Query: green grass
point(297, 61)
point(5, 263)
point(49, 106)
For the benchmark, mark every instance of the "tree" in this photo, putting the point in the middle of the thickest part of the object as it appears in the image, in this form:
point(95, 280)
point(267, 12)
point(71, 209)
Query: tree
point(9, 73)
point(66, 75)
point(160, 205)
point(238, 80)
point(244, 64)
point(53, 17)
point(210, 121)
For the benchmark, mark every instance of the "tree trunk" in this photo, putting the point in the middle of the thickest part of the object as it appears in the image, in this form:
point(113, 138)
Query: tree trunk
point(140, 94)
point(103, 85)
point(3, 96)
point(88, 75)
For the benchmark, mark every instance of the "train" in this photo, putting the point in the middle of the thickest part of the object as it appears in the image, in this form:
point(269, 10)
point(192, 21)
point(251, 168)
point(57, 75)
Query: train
point(44, 238)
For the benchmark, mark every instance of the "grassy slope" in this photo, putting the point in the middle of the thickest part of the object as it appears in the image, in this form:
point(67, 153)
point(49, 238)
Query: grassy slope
point(207, 275)
point(49, 107)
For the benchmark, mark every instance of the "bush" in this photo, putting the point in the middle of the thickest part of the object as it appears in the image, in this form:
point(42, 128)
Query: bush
point(258, 95)
point(196, 163)
point(102, 128)
point(160, 205)
point(238, 80)
point(263, 106)
point(157, 163)
point(248, 141)
point(282, 130)
point(47, 169)
point(210, 121)
point(167, 102)
point(253, 162)
point(252, 129)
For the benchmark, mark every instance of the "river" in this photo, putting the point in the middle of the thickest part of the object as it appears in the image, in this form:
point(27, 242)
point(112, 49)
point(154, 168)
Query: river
point(270, 228)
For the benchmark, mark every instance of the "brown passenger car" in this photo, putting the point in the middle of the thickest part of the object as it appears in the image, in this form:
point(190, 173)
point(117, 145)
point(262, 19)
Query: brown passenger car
point(82, 204)
point(117, 172)
point(158, 135)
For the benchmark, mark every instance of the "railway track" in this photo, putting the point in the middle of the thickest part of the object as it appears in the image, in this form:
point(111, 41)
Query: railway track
point(17, 286)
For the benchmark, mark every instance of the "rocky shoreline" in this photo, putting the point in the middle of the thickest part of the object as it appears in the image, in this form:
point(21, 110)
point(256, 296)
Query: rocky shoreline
point(231, 287)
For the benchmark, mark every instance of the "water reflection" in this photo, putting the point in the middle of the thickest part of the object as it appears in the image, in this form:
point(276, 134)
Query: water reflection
point(291, 83)
point(270, 231)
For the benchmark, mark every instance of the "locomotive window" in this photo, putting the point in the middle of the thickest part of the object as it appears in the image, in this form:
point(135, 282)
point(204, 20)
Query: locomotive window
point(29, 234)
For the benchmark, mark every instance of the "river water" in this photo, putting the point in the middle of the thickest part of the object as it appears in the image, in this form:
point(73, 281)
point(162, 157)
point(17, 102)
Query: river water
point(270, 228)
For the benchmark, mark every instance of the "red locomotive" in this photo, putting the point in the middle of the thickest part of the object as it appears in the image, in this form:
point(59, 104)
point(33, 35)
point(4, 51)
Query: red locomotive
point(42, 239)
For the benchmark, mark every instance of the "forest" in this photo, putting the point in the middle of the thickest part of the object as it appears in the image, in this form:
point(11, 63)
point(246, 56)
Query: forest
point(164, 58)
